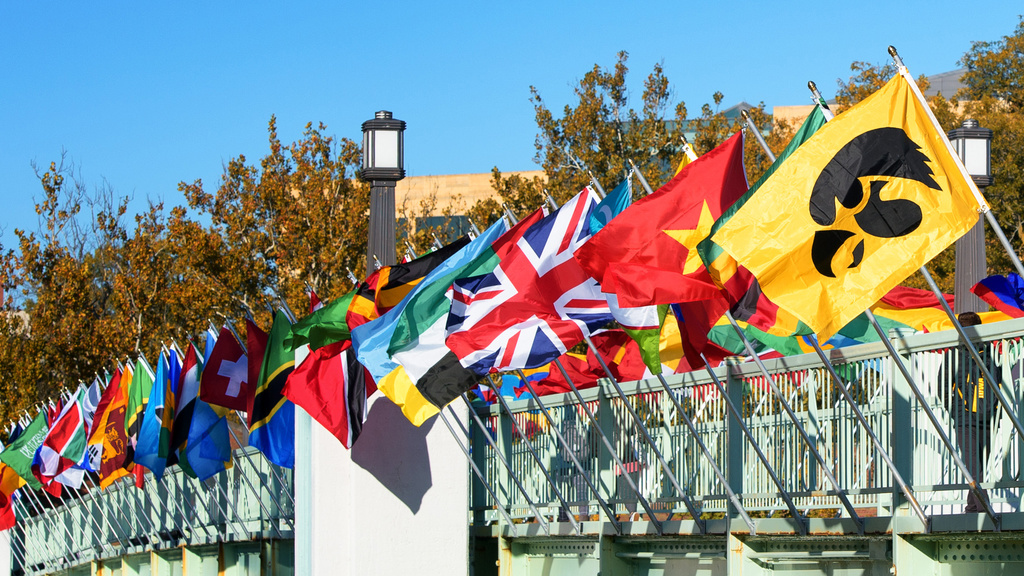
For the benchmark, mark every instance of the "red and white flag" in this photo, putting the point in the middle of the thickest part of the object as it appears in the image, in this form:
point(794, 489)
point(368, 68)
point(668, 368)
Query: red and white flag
point(331, 385)
point(536, 304)
point(225, 378)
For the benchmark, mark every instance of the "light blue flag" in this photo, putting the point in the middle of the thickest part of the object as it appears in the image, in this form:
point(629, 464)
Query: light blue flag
point(211, 341)
point(147, 450)
point(371, 340)
point(613, 204)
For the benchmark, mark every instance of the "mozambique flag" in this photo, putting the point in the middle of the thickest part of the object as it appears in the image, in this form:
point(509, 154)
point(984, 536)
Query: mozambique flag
point(272, 419)
point(866, 201)
point(361, 308)
point(647, 255)
point(746, 300)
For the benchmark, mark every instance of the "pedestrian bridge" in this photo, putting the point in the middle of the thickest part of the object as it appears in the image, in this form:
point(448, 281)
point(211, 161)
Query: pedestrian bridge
point(854, 472)
point(238, 523)
point(805, 472)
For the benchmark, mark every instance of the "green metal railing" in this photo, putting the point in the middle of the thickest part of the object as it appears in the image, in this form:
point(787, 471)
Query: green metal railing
point(878, 388)
point(249, 502)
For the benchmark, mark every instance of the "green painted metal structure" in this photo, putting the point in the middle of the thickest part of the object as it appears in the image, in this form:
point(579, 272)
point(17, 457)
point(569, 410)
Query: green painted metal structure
point(230, 525)
point(885, 537)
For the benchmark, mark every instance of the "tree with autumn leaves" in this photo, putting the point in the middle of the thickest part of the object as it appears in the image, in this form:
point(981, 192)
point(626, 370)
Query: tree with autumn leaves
point(94, 284)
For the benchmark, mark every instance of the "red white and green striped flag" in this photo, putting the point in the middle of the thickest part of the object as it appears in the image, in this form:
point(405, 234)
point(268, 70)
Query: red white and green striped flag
point(64, 446)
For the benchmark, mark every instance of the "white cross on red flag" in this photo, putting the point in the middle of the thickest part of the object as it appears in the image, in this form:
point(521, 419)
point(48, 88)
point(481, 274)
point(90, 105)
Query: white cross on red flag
point(225, 377)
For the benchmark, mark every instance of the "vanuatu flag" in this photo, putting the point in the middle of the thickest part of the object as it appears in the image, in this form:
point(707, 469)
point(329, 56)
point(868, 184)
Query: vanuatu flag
point(272, 420)
point(869, 199)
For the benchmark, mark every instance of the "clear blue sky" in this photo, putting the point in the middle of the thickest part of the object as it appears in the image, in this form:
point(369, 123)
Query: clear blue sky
point(142, 96)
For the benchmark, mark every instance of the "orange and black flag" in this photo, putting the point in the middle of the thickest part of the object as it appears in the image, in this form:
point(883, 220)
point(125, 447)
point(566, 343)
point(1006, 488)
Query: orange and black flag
point(393, 283)
point(869, 199)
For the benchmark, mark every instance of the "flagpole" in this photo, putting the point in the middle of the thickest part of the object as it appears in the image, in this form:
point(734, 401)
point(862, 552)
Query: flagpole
point(796, 421)
point(572, 455)
point(40, 519)
point(231, 328)
point(707, 455)
point(640, 175)
point(180, 489)
point(118, 533)
point(990, 381)
point(259, 498)
point(904, 487)
point(97, 527)
point(53, 518)
point(223, 492)
point(536, 457)
point(898, 360)
point(582, 168)
point(515, 479)
point(757, 135)
point(983, 206)
point(483, 480)
point(37, 519)
point(223, 512)
point(828, 366)
point(139, 510)
point(819, 101)
point(100, 525)
point(783, 493)
point(690, 506)
point(608, 445)
point(19, 555)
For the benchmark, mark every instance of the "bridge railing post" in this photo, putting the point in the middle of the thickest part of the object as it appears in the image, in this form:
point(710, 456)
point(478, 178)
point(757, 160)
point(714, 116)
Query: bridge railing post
point(902, 441)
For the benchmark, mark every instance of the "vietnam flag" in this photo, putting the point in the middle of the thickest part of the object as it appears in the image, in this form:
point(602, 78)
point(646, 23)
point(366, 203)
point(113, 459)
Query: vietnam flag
point(866, 201)
point(746, 300)
point(647, 255)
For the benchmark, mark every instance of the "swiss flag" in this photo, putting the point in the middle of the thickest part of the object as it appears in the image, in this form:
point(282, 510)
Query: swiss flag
point(225, 378)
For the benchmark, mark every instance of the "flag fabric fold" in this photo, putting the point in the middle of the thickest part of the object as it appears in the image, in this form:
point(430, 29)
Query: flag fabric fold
point(647, 255)
point(536, 304)
point(272, 419)
point(330, 385)
point(861, 205)
point(1004, 293)
point(426, 376)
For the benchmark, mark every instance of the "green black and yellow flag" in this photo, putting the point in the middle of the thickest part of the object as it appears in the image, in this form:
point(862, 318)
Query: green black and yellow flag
point(272, 420)
point(866, 201)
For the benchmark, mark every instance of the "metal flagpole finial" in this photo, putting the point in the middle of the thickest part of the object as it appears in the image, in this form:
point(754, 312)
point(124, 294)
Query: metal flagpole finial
point(812, 86)
point(896, 56)
point(376, 262)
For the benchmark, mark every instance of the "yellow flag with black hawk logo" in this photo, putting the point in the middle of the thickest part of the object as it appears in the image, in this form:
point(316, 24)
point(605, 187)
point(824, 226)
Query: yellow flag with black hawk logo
point(869, 199)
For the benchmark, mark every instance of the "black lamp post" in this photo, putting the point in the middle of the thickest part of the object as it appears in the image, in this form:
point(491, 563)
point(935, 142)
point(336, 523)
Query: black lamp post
point(974, 146)
point(383, 166)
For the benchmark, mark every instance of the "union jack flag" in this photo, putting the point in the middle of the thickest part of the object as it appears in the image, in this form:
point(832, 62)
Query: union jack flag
point(538, 301)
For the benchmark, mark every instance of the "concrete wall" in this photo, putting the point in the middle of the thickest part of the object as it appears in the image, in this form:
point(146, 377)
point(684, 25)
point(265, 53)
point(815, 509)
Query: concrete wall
point(394, 504)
